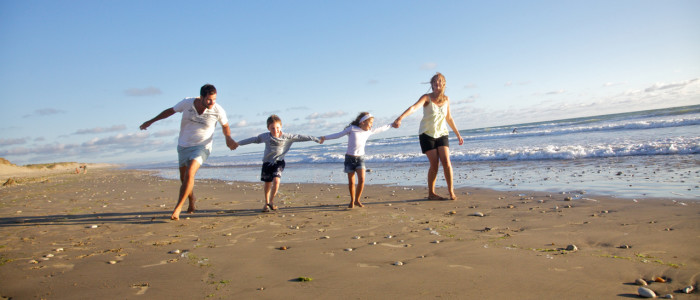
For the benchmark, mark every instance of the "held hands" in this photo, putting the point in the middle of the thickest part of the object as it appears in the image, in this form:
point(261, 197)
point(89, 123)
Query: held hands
point(231, 144)
point(322, 139)
point(396, 124)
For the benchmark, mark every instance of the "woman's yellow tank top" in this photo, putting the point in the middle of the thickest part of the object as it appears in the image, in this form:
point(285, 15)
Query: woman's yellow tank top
point(433, 122)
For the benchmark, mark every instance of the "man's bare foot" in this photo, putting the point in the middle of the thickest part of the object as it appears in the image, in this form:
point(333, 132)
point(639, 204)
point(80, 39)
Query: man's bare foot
point(453, 197)
point(358, 203)
point(436, 197)
point(191, 208)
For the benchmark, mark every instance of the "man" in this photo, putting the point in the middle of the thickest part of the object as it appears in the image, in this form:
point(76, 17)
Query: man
point(199, 118)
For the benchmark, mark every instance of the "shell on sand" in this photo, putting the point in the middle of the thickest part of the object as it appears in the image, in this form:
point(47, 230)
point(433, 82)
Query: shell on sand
point(646, 293)
point(688, 289)
point(398, 263)
point(477, 214)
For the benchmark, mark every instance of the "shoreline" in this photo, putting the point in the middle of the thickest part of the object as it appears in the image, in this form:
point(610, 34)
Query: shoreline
point(625, 178)
point(114, 224)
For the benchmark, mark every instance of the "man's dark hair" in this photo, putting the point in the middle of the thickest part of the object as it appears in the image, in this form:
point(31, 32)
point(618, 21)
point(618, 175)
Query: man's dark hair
point(206, 90)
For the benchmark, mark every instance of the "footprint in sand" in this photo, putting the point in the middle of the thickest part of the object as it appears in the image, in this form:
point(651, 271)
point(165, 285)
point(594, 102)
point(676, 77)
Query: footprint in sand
point(142, 288)
point(393, 246)
point(64, 266)
point(461, 266)
point(162, 262)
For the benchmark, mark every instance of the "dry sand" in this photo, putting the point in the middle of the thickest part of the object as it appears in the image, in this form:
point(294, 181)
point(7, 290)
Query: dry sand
point(106, 234)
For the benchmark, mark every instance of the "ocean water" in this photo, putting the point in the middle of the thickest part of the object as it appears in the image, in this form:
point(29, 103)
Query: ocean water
point(654, 153)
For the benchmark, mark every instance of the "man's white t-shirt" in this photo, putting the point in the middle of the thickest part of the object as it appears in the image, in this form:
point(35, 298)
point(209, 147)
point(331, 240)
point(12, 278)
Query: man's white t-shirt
point(196, 129)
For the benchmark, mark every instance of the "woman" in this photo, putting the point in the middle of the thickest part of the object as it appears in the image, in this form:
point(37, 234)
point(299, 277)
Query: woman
point(433, 133)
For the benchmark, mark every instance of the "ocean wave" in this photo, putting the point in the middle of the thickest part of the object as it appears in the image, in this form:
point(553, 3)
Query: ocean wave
point(548, 130)
point(566, 152)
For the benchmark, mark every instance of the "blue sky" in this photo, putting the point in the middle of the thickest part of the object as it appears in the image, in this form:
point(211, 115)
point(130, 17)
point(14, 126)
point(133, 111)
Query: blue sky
point(77, 78)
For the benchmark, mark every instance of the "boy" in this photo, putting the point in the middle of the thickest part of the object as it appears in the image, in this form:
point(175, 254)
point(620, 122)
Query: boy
point(277, 144)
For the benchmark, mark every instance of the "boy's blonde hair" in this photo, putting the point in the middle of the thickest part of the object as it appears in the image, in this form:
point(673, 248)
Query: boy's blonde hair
point(273, 119)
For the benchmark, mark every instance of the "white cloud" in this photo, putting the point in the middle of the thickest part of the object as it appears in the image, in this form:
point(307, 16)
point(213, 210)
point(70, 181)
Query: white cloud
point(8, 142)
point(428, 66)
point(166, 133)
point(470, 99)
point(241, 123)
point(101, 130)
point(298, 108)
point(555, 92)
point(142, 92)
point(610, 84)
point(44, 112)
point(119, 139)
point(664, 86)
point(327, 115)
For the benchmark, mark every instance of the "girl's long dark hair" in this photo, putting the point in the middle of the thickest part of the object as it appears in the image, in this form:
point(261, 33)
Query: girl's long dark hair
point(356, 122)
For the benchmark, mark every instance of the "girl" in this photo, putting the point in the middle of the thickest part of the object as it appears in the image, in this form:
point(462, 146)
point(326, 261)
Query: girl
point(433, 134)
point(358, 132)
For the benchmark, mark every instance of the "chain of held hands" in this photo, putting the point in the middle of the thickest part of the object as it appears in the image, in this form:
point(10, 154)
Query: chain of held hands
point(233, 145)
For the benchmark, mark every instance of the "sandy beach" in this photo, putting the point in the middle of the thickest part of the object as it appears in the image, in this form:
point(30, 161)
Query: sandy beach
point(106, 234)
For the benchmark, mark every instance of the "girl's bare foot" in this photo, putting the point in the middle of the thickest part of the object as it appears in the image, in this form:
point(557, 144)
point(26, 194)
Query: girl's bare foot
point(352, 205)
point(269, 207)
point(358, 203)
point(453, 196)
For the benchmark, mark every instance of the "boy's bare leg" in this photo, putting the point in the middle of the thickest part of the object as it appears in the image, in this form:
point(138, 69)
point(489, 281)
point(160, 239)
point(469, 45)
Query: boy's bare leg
point(444, 153)
point(187, 174)
point(273, 192)
point(351, 187)
point(267, 188)
point(360, 187)
point(270, 193)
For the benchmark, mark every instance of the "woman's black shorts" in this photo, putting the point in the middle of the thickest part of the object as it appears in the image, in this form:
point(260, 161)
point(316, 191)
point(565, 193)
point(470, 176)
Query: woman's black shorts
point(428, 143)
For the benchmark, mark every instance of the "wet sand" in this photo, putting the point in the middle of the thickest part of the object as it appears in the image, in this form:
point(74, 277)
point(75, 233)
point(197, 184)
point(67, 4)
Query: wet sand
point(107, 234)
